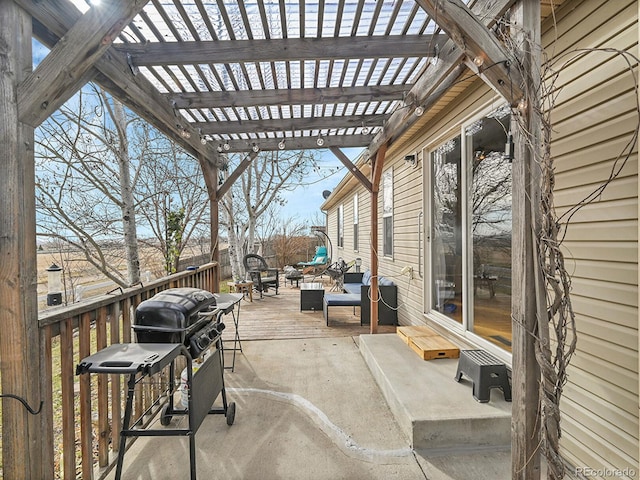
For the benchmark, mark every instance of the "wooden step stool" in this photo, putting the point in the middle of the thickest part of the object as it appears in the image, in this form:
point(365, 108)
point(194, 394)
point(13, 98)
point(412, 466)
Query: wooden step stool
point(409, 332)
point(486, 372)
point(432, 347)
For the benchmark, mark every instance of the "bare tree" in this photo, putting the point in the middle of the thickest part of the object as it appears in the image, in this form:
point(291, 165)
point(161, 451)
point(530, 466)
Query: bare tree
point(127, 206)
point(104, 175)
point(173, 201)
point(290, 242)
point(83, 198)
point(247, 205)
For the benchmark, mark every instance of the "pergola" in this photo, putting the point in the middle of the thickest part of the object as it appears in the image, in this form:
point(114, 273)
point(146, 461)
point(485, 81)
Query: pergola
point(243, 76)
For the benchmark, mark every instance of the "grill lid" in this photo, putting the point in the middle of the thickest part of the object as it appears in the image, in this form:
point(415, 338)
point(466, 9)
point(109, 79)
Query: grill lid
point(174, 310)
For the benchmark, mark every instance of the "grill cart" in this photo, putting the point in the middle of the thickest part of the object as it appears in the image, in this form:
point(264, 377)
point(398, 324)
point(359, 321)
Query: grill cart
point(178, 321)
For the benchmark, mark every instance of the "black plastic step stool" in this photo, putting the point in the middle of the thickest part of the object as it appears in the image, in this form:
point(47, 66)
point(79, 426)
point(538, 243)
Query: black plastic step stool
point(485, 371)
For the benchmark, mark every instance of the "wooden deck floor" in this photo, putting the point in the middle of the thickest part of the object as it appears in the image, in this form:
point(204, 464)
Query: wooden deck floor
point(277, 317)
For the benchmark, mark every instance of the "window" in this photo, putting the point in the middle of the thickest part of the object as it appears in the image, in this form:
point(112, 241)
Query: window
point(470, 220)
point(355, 222)
point(341, 226)
point(387, 213)
point(446, 221)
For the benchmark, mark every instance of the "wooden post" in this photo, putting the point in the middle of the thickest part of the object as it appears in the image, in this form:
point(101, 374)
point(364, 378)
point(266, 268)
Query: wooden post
point(210, 173)
point(214, 207)
point(373, 288)
point(376, 175)
point(527, 288)
point(22, 440)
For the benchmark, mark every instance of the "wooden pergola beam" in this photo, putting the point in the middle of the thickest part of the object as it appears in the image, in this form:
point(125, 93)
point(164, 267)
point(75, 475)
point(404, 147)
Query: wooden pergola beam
point(235, 175)
point(364, 181)
point(483, 52)
point(529, 295)
point(289, 124)
point(436, 79)
point(376, 176)
point(297, 96)
point(68, 66)
point(24, 436)
point(210, 173)
point(294, 143)
point(115, 75)
point(282, 49)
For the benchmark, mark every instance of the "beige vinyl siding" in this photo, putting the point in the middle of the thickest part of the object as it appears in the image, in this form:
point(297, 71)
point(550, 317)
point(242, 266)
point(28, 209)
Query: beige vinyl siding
point(364, 225)
point(347, 251)
point(407, 207)
point(332, 231)
point(593, 119)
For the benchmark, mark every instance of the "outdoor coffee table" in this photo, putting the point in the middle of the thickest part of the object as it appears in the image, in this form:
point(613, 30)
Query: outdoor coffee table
point(296, 276)
point(311, 295)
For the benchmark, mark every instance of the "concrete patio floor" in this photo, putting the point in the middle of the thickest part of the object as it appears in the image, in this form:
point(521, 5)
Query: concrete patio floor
point(306, 409)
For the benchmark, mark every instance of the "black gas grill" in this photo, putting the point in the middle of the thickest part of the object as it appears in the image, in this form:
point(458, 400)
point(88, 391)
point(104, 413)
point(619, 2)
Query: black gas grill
point(177, 321)
point(179, 315)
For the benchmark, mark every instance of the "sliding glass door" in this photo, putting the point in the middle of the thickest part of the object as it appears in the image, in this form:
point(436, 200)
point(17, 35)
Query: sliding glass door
point(470, 229)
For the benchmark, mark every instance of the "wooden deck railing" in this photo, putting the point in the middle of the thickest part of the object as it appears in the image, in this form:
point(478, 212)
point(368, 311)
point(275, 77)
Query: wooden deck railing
point(82, 415)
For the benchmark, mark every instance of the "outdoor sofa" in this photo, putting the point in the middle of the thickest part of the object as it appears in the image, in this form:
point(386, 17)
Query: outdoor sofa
point(357, 286)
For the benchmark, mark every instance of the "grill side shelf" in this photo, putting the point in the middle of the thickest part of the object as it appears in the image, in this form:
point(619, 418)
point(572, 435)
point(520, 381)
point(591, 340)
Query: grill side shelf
point(127, 358)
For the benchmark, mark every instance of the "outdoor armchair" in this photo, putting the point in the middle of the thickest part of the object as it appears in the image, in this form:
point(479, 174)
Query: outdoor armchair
point(261, 275)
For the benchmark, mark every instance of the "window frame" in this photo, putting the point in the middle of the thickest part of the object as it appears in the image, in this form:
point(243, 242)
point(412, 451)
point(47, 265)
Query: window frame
point(466, 327)
point(340, 226)
point(356, 220)
point(387, 213)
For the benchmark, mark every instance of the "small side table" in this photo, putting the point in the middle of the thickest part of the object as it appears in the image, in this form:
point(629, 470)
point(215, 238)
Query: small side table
point(311, 295)
point(295, 276)
point(243, 287)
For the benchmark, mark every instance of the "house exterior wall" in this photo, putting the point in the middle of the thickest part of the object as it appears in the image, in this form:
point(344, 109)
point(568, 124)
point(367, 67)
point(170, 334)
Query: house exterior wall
point(594, 116)
point(593, 119)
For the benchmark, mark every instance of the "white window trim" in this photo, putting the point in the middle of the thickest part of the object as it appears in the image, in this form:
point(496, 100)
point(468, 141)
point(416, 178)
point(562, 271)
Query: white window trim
point(356, 223)
point(388, 174)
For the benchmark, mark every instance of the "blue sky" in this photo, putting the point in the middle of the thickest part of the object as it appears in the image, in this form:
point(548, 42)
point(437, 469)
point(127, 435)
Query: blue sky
point(304, 202)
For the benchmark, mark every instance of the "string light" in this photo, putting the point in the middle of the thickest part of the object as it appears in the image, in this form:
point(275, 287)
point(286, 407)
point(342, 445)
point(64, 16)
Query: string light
point(522, 105)
point(281, 145)
point(255, 148)
point(320, 141)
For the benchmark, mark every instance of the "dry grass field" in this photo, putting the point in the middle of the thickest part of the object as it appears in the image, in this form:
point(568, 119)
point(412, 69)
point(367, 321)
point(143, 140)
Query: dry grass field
point(79, 276)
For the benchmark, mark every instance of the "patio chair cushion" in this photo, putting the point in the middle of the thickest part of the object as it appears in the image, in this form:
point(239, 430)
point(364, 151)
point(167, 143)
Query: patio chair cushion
point(321, 258)
point(343, 299)
point(352, 288)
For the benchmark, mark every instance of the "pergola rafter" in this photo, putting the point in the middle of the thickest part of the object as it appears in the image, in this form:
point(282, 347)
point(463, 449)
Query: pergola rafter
point(299, 96)
point(283, 50)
